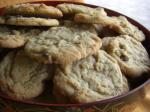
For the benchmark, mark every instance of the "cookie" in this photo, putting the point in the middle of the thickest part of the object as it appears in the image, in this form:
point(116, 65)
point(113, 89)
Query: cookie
point(21, 77)
point(13, 38)
point(124, 27)
point(94, 78)
point(62, 45)
point(130, 54)
point(119, 25)
point(89, 27)
point(30, 21)
point(40, 10)
point(90, 19)
point(75, 9)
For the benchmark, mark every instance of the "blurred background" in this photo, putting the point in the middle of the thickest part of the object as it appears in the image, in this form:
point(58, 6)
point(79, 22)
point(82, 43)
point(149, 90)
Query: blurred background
point(136, 9)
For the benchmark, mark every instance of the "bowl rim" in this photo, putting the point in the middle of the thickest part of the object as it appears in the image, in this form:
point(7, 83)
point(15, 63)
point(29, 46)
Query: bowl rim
point(29, 102)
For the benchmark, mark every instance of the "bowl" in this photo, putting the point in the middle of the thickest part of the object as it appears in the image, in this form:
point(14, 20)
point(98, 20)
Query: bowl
point(47, 104)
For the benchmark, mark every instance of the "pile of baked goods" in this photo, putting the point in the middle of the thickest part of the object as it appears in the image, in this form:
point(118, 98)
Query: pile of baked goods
point(83, 51)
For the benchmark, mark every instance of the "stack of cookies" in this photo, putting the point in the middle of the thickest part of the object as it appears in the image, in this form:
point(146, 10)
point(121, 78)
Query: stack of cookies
point(83, 51)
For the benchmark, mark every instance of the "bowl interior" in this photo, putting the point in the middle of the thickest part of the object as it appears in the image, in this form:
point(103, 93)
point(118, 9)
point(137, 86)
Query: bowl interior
point(47, 98)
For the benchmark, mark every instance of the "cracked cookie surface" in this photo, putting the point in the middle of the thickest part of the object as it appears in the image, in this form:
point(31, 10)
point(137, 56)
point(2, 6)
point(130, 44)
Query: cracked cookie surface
point(130, 54)
point(63, 45)
point(40, 10)
point(21, 77)
point(75, 9)
point(124, 27)
point(13, 38)
point(29, 21)
point(94, 78)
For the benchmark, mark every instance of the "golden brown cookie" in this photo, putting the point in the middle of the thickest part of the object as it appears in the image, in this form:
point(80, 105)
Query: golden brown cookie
point(21, 77)
point(29, 21)
point(124, 27)
point(13, 38)
point(75, 9)
point(92, 19)
point(130, 54)
point(62, 45)
point(40, 10)
point(94, 78)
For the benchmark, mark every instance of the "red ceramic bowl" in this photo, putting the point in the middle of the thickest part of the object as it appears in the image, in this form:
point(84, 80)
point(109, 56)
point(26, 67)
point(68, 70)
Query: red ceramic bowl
point(8, 104)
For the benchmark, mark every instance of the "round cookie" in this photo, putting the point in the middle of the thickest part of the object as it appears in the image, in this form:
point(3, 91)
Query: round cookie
point(62, 45)
point(21, 77)
point(104, 25)
point(90, 19)
point(124, 27)
point(94, 78)
point(13, 38)
point(30, 21)
point(79, 26)
point(75, 9)
point(130, 54)
point(41, 10)
point(119, 24)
